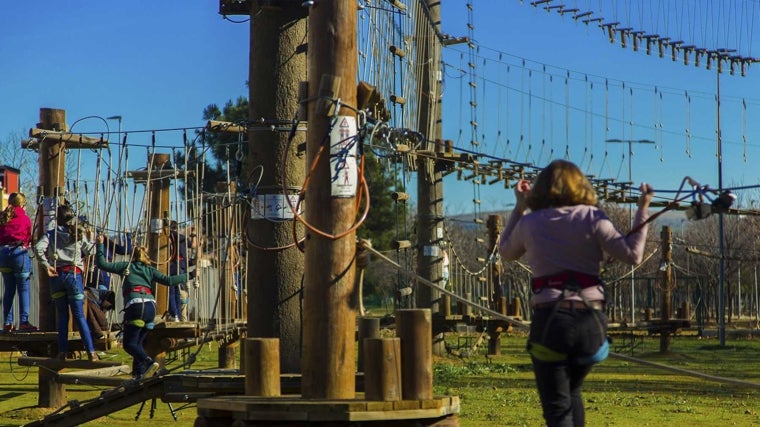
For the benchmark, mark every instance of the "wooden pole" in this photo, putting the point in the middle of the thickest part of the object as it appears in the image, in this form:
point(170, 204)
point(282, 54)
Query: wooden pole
point(497, 300)
point(230, 257)
point(369, 327)
point(274, 282)
point(666, 237)
point(382, 378)
point(158, 236)
point(330, 303)
point(429, 177)
point(262, 372)
point(414, 327)
point(52, 165)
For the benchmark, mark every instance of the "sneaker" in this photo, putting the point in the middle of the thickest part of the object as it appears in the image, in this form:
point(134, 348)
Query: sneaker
point(93, 357)
point(27, 327)
point(8, 328)
point(152, 369)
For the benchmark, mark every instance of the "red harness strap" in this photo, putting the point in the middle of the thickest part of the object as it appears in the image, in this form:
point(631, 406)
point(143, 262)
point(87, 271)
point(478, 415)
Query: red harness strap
point(141, 289)
point(69, 269)
point(564, 278)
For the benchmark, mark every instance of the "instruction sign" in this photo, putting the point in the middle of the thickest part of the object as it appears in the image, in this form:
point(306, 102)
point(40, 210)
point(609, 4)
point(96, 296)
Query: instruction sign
point(273, 206)
point(343, 164)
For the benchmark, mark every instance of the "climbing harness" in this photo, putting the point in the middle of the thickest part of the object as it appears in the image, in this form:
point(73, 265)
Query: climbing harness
point(571, 283)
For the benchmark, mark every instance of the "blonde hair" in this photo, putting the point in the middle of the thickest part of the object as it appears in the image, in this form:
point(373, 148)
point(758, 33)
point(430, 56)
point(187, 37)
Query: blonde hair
point(561, 183)
point(15, 200)
point(140, 254)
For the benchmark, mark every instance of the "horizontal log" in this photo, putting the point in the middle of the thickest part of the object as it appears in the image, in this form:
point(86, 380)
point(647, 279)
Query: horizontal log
point(220, 126)
point(72, 140)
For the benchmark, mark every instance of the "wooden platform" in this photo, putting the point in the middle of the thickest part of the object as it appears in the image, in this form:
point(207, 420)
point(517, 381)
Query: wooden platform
point(46, 343)
point(295, 411)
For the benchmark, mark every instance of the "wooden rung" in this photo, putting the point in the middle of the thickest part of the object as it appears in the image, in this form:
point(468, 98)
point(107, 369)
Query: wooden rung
point(397, 99)
point(397, 51)
point(400, 196)
point(478, 220)
point(484, 298)
point(482, 279)
point(481, 259)
point(479, 239)
point(403, 148)
point(401, 244)
point(397, 4)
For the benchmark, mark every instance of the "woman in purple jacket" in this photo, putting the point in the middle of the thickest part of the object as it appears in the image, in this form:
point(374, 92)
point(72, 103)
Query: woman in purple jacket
point(564, 239)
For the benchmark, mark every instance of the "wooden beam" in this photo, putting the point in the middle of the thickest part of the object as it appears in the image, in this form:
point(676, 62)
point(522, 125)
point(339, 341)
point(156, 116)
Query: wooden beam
point(72, 140)
point(220, 126)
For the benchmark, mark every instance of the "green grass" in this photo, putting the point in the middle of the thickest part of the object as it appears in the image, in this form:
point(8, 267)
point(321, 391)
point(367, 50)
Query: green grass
point(499, 390)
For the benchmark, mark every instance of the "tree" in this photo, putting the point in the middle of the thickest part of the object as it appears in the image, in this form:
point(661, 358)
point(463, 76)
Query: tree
point(23, 160)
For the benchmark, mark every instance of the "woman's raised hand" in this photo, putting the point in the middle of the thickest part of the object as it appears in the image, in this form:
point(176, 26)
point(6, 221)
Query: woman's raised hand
point(647, 192)
point(522, 188)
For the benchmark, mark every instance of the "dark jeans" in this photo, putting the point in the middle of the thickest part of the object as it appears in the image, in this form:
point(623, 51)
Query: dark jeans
point(135, 333)
point(68, 293)
point(17, 268)
point(577, 333)
point(175, 296)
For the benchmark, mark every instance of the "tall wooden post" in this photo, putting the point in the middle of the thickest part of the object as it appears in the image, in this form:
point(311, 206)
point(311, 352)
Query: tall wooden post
point(51, 139)
point(429, 177)
point(330, 303)
point(227, 310)
point(227, 266)
point(497, 300)
point(275, 265)
point(666, 237)
point(52, 165)
point(158, 228)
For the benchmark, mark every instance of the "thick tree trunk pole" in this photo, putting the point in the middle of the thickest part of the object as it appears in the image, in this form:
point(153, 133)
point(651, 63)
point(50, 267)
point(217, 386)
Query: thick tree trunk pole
point(277, 70)
point(158, 236)
point(52, 165)
point(330, 300)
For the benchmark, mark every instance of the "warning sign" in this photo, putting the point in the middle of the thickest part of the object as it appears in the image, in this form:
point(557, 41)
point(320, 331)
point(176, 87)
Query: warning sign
point(343, 164)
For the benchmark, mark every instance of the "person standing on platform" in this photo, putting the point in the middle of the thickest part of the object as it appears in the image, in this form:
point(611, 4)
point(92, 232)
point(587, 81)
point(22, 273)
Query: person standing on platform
point(178, 262)
point(15, 262)
point(564, 239)
point(138, 290)
point(61, 252)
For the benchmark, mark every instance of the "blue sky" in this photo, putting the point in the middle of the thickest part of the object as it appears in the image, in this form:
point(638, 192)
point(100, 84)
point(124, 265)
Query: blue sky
point(658, 99)
point(158, 64)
